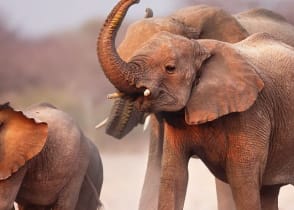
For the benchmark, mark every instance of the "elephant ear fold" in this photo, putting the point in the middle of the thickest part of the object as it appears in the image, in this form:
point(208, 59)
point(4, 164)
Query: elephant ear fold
point(21, 139)
point(228, 83)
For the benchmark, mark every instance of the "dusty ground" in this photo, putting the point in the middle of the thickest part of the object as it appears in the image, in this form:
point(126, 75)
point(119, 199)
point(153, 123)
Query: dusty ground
point(124, 178)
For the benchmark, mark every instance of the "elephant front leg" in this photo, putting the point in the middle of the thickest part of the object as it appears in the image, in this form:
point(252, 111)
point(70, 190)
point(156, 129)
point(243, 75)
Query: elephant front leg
point(174, 177)
point(247, 196)
point(244, 177)
point(269, 197)
point(150, 191)
point(225, 199)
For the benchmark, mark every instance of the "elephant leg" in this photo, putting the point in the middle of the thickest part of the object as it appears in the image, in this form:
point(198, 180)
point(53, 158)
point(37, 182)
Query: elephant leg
point(89, 197)
point(244, 179)
point(247, 196)
point(225, 199)
point(9, 189)
point(243, 176)
point(269, 197)
point(174, 174)
point(245, 163)
point(68, 197)
point(150, 191)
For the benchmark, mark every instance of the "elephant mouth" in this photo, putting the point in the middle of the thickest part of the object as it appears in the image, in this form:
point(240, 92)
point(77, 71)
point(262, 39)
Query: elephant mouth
point(143, 104)
point(157, 102)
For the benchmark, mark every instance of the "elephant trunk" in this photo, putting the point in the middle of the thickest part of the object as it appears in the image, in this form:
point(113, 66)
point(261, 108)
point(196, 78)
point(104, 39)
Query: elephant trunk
point(123, 118)
point(120, 73)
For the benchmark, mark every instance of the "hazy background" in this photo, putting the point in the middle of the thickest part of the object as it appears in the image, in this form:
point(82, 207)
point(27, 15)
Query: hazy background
point(47, 53)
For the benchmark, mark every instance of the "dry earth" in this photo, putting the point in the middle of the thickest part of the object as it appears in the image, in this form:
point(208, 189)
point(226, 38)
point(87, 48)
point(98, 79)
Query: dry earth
point(123, 179)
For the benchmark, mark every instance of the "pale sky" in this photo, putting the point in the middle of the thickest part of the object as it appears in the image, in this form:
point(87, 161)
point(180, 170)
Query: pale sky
point(40, 17)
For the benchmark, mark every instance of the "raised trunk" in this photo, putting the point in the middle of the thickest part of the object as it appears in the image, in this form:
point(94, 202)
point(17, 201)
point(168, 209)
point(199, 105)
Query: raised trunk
point(120, 73)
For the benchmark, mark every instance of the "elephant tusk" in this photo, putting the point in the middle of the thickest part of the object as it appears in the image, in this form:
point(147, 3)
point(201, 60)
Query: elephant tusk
point(147, 92)
point(15, 206)
point(146, 123)
point(115, 95)
point(100, 125)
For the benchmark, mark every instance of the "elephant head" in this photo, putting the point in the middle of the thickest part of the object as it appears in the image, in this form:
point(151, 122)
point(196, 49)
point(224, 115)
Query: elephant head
point(21, 139)
point(170, 72)
point(193, 22)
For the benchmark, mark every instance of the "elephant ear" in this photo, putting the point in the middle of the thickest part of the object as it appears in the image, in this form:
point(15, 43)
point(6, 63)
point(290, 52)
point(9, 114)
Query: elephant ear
point(228, 83)
point(21, 139)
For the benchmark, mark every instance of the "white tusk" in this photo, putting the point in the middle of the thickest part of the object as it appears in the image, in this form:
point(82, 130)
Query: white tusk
point(102, 123)
point(15, 206)
point(114, 95)
point(147, 92)
point(146, 123)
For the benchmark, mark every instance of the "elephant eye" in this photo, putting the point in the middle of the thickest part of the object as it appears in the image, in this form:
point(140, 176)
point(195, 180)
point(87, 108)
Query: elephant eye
point(170, 69)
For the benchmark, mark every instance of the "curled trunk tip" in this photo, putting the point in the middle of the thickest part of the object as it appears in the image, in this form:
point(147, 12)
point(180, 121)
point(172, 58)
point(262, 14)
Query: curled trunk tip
point(114, 67)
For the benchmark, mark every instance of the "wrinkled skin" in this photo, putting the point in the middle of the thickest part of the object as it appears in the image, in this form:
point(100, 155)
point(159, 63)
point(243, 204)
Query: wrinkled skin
point(65, 170)
point(238, 96)
point(195, 22)
point(234, 119)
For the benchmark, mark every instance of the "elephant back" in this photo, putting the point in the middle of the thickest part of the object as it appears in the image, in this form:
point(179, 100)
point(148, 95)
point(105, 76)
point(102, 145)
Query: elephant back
point(63, 148)
point(263, 20)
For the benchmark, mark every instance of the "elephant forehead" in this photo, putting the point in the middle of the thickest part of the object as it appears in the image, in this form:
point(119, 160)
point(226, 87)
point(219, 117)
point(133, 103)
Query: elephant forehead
point(164, 43)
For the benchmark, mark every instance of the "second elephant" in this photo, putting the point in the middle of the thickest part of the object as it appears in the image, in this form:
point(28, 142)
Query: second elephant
point(47, 162)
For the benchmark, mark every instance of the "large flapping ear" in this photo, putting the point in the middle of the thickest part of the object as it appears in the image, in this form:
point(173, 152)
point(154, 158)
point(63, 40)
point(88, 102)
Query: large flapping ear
point(21, 139)
point(211, 23)
point(228, 83)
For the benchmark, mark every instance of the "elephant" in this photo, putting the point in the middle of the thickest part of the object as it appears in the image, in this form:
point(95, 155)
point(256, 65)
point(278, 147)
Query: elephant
point(226, 103)
point(46, 161)
point(195, 22)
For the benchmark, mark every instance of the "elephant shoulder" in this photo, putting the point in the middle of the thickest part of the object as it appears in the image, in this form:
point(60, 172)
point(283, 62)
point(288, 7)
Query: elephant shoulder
point(65, 142)
point(196, 9)
point(263, 20)
point(268, 54)
point(211, 23)
point(60, 124)
point(199, 14)
point(265, 42)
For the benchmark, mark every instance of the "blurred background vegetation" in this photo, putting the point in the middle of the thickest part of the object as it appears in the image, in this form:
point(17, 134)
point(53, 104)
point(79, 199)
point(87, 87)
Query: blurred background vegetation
point(62, 69)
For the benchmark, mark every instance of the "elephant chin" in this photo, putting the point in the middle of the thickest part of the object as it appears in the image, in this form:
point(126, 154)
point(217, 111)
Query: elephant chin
point(158, 104)
point(143, 104)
